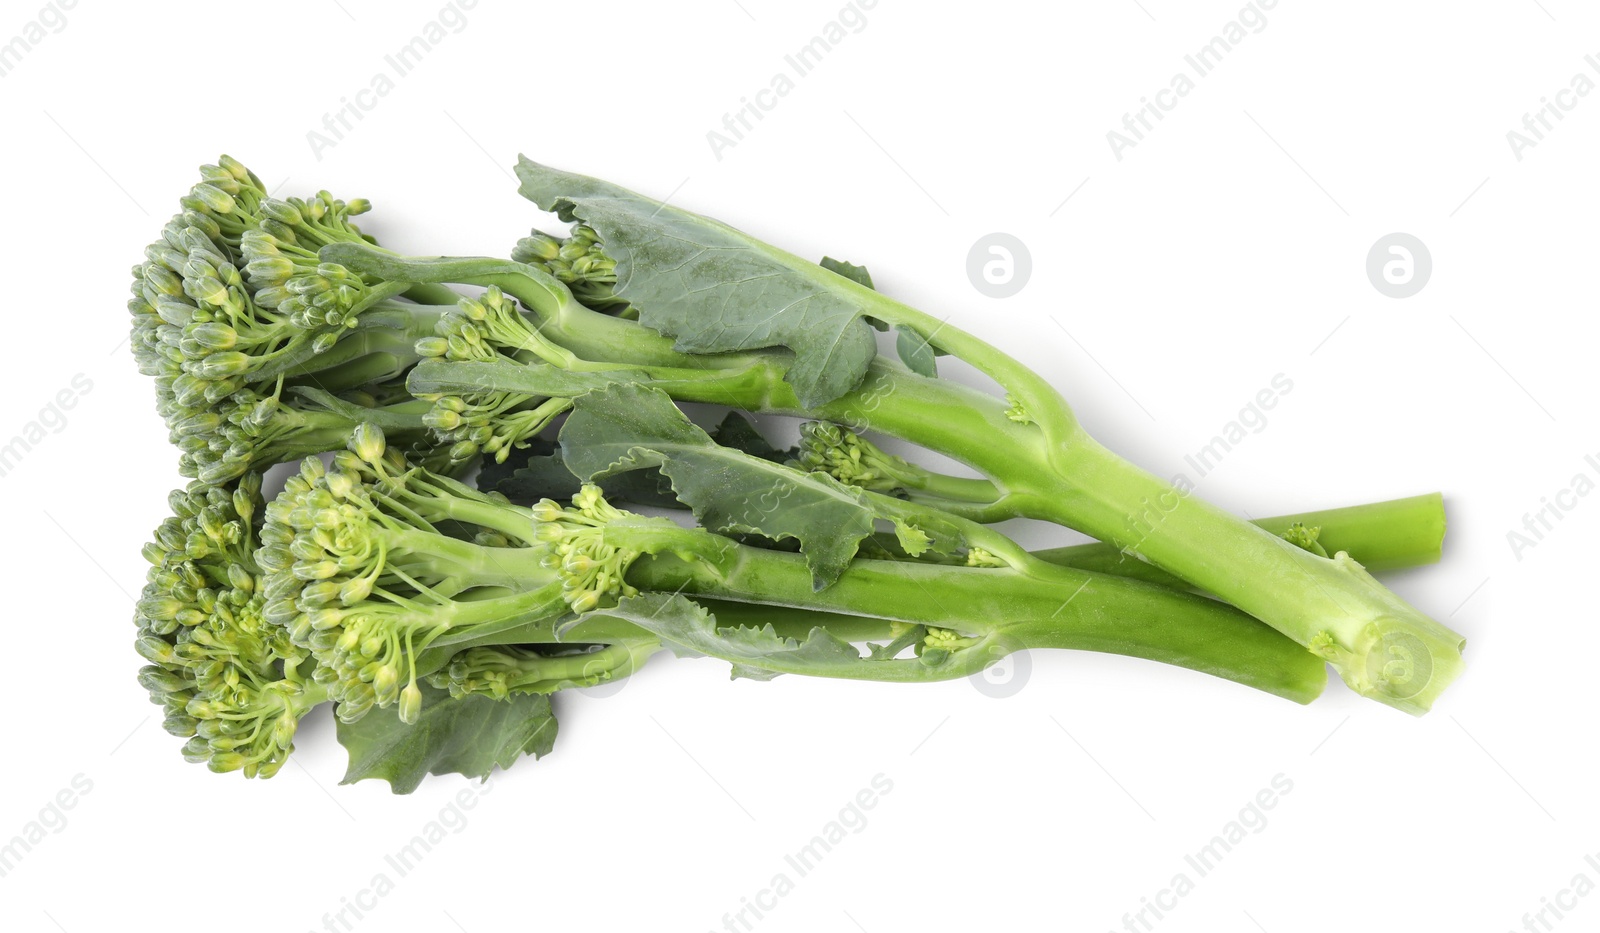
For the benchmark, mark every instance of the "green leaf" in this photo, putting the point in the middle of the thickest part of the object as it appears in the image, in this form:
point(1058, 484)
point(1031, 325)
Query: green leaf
point(715, 289)
point(915, 351)
point(469, 735)
point(626, 427)
point(538, 472)
point(851, 271)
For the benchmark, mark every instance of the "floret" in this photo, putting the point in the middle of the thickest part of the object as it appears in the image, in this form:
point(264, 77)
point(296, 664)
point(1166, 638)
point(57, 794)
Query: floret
point(578, 262)
point(494, 422)
point(365, 573)
point(231, 307)
point(230, 681)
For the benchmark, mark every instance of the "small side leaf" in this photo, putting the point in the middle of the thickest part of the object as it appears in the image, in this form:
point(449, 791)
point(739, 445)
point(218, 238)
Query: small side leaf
point(470, 735)
point(851, 271)
point(915, 351)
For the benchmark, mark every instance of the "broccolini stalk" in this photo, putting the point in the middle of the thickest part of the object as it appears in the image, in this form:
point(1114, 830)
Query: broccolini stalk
point(716, 290)
point(725, 298)
point(362, 574)
point(962, 618)
point(999, 599)
point(230, 681)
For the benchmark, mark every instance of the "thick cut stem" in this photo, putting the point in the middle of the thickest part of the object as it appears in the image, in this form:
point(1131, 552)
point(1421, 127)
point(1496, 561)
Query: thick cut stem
point(1382, 647)
point(1391, 535)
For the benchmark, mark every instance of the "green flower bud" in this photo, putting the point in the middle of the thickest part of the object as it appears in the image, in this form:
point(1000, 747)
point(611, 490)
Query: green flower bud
point(281, 211)
point(537, 246)
point(326, 619)
point(213, 198)
point(153, 649)
point(441, 419)
point(354, 590)
point(283, 732)
point(319, 570)
point(367, 442)
point(320, 594)
point(227, 363)
point(386, 684)
point(410, 704)
point(223, 762)
point(269, 270)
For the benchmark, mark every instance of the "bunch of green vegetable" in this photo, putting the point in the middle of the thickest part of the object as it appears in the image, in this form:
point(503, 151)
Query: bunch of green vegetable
point(606, 525)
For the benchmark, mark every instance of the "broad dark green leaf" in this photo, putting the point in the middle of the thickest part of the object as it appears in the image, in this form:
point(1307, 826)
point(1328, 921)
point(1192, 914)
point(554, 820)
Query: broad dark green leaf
point(715, 289)
point(470, 735)
point(538, 472)
point(624, 428)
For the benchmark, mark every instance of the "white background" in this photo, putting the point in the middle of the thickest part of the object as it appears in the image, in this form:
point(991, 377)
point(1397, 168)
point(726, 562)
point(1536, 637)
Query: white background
point(1227, 247)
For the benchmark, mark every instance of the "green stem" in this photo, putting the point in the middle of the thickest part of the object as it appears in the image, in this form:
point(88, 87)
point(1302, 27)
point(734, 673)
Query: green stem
point(1382, 647)
point(954, 488)
point(467, 564)
point(1009, 610)
point(1392, 535)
